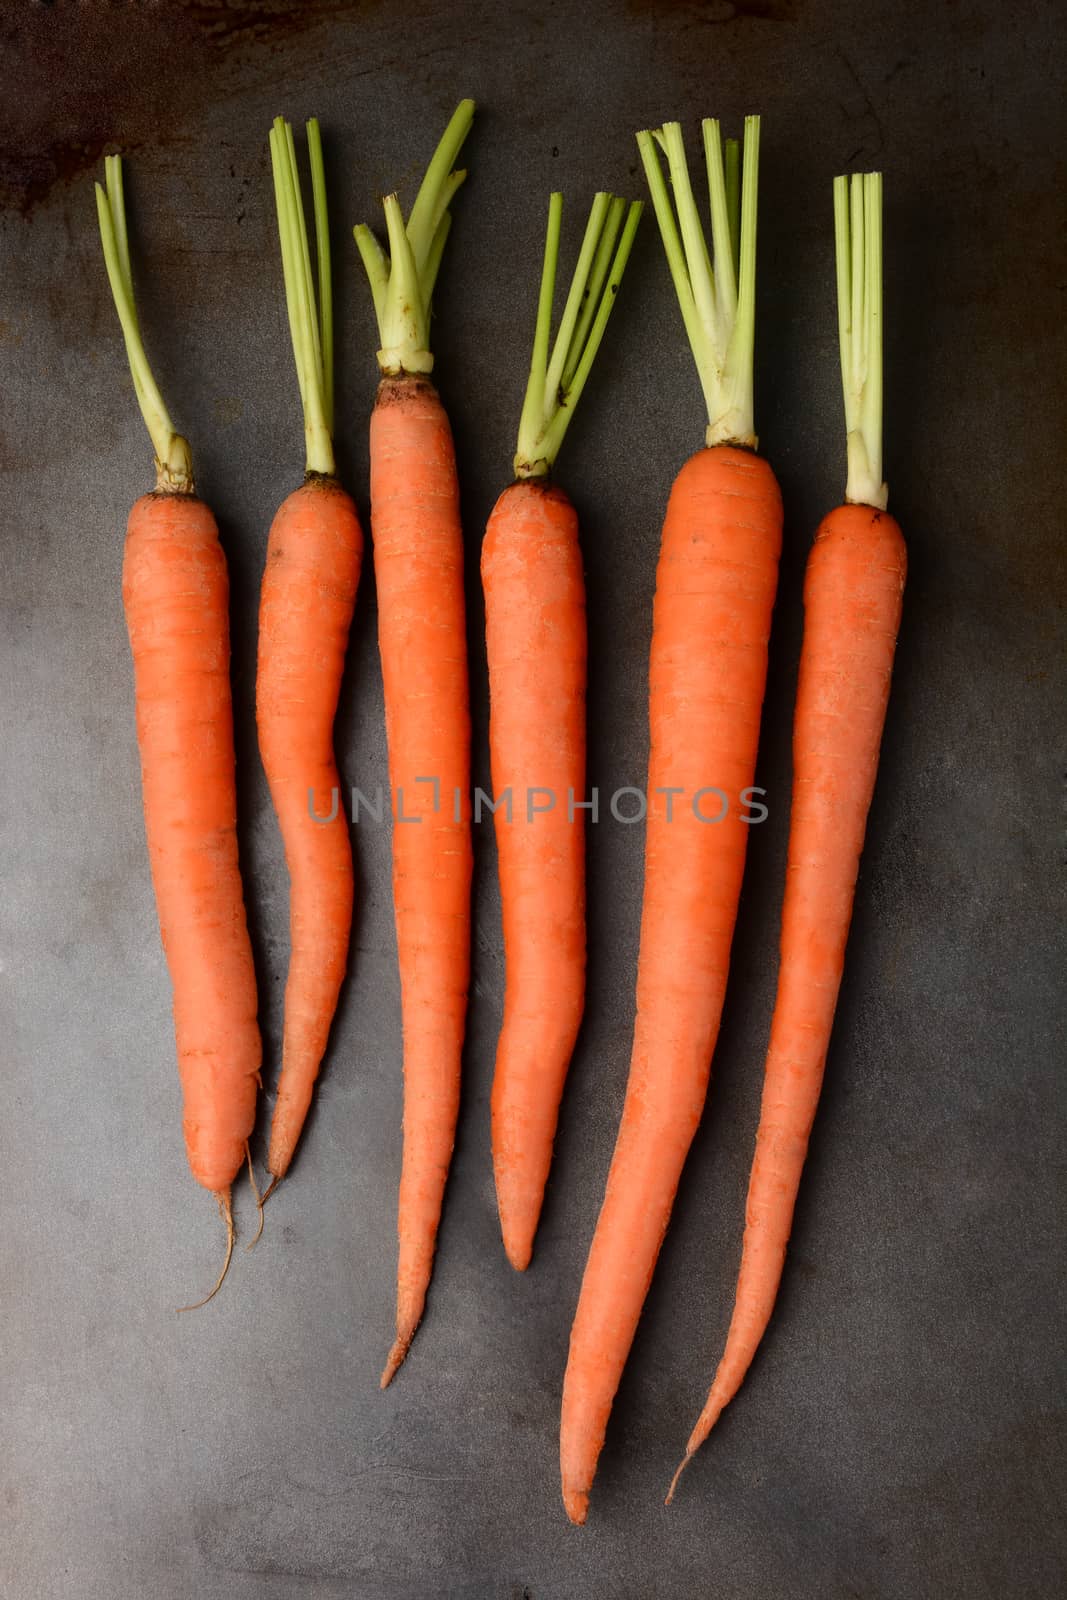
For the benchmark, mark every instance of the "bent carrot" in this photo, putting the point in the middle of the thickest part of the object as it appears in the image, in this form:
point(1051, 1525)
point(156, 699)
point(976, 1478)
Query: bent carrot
point(852, 603)
point(309, 588)
point(418, 567)
point(715, 588)
point(175, 592)
point(536, 644)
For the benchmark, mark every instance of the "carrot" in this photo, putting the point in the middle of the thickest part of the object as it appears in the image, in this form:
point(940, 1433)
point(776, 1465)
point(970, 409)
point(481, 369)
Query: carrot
point(536, 643)
point(306, 601)
point(175, 592)
point(715, 588)
point(418, 568)
point(852, 603)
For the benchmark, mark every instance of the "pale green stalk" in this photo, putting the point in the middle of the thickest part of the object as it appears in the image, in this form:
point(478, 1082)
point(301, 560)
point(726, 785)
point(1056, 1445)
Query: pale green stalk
point(310, 321)
point(698, 263)
point(174, 467)
point(531, 423)
point(555, 384)
point(322, 259)
point(722, 241)
point(858, 249)
point(436, 256)
point(733, 199)
point(569, 321)
point(569, 398)
point(672, 245)
point(717, 296)
point(402, 281)
point(591, 297)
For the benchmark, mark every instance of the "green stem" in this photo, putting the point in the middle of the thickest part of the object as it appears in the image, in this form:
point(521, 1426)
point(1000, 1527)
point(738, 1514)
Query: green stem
point(435, 257)
point(858, 250)
point(716, 297)
point(310, 324)
point(174, 467)
point(322, 258)
point(733, 199)
point(402, 282)
point(531, 423)
point(591, 297)
point(569, 321)
point(556, 386)
point(721, 233)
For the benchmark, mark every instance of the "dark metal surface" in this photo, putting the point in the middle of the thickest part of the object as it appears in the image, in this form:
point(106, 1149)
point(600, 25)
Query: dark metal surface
point(900, 1434)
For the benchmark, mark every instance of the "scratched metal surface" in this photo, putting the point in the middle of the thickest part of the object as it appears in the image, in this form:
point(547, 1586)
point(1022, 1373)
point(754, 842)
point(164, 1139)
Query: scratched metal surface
point(901, 1433)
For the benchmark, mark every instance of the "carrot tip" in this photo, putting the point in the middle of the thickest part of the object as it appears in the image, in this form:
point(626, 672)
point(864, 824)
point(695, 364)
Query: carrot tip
point(576, 1505)
point(395, 1361)
point(519, 1253)
point(674, 1481)
point(223, 1197)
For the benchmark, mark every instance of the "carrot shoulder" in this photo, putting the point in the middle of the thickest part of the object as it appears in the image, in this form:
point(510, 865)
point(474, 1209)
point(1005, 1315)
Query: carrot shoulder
point(715, 587)
point(536, 647)
point(308, 593)
point(176, 598)
point(418, 568)
point(852, 604)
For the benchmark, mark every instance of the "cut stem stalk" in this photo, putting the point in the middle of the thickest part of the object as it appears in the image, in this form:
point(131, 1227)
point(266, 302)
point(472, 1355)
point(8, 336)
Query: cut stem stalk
point(858, 251)
point(402, 282)
point(555, 385)
point(174, 467)
point(310, 319)
point(716, 296)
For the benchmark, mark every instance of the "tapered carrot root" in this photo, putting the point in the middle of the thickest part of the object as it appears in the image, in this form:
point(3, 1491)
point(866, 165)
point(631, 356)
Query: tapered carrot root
point(175, 592)
point(852, 603)
point(536, 643)
point(715, 589)
point(176, 595)
point(852, 598)
point(306, 602)
point(418, 566)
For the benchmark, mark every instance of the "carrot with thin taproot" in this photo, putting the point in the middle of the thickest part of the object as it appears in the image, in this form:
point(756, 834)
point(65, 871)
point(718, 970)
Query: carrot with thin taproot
point(536, 645)
point(853, 592)
point(715, 589)
point(314, 554)
point(417, 540)
point(175, 591)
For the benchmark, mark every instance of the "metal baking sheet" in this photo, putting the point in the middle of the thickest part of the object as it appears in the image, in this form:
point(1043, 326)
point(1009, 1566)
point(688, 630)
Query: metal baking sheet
point(900, 1434)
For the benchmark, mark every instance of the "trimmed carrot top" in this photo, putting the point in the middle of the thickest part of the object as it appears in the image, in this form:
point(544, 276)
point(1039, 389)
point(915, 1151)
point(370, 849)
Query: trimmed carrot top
point(310, 318)
point(717, 294)
point(402, 282)
point(556, 381)
point(174, 462)
point(858, 242)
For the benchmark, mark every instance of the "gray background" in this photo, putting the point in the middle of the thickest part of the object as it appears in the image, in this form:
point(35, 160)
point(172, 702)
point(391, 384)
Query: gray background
point(901, 1432)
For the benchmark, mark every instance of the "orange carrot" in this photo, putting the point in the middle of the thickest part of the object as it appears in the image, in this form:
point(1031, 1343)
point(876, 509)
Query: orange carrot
point(309, 590)
point(536, 645)
point(176, 596)
point(852, 603)
point(715, 588)
point(418, 568)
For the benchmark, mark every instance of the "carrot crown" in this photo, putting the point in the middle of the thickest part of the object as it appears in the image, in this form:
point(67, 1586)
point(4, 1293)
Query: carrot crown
point(858, 241)
point(556, 381)
point(718, 299)
point(174, 463)
point(310, 319)
point(402, 282)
